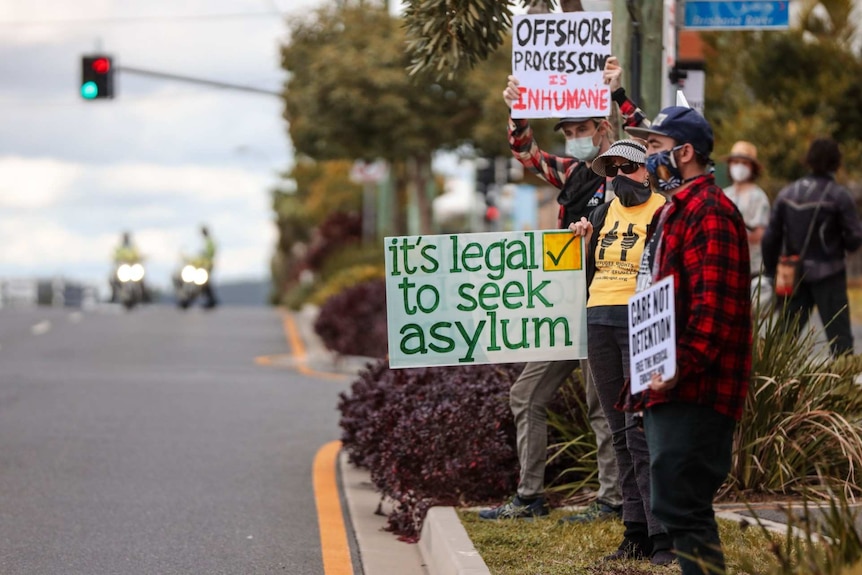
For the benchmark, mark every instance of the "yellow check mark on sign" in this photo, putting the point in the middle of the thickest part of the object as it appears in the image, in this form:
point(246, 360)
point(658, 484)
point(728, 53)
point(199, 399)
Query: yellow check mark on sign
point(562, 252)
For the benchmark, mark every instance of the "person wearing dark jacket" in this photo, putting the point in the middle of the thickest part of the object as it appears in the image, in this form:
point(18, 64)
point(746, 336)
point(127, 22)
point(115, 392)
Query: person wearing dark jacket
point(822, 211)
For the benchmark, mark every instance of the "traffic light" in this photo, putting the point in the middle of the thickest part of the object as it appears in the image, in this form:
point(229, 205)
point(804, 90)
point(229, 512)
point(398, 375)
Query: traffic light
point(97, 77)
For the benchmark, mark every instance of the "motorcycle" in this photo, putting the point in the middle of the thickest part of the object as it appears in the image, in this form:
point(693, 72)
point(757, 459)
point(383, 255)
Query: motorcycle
point(192, 280)
point(130, 284)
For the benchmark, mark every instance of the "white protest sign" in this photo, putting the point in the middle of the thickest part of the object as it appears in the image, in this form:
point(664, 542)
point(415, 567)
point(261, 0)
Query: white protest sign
point(465, 299)
point(558, 60)
point(652, 329)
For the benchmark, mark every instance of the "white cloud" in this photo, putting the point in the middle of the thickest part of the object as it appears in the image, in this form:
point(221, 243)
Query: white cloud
point(158, 160)
point(35, 182)
point(204, 184)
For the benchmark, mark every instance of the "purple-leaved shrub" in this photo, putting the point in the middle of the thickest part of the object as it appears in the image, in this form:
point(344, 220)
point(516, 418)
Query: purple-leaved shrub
point(353, 322)
point(435, 436)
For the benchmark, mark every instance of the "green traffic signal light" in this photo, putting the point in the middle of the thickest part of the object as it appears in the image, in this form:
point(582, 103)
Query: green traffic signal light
point(89, 90)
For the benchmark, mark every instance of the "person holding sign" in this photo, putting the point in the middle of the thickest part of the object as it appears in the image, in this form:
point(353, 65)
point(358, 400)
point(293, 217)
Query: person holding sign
point(700, 240)
point(613, 256)
point(581, 190)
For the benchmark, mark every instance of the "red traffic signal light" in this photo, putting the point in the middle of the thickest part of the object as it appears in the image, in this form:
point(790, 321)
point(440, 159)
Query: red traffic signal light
point(97, 77)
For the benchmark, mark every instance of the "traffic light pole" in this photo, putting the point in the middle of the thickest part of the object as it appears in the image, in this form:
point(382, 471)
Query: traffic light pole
point(201, 81)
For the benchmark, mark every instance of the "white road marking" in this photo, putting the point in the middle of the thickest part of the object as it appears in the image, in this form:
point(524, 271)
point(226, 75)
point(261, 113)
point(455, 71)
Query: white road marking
point(76, 316)
point(41, 328)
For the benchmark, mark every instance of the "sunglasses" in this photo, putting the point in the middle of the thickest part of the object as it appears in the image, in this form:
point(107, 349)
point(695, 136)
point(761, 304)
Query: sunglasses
point(627, 168)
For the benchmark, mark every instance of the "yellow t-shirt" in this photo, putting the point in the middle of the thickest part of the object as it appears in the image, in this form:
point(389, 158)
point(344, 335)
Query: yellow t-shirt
point(618, 252)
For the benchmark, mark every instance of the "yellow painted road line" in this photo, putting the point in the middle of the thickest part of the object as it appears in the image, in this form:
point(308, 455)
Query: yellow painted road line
point(333, 535)
point(298, 348)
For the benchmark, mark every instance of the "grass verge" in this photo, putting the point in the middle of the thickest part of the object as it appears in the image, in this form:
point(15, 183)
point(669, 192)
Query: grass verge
point(544, 547)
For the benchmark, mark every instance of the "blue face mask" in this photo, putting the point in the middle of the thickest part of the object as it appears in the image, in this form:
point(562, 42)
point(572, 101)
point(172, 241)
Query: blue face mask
point(662, 166)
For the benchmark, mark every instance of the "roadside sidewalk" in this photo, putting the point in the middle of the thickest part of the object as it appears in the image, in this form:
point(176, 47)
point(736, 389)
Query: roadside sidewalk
point(443, 549)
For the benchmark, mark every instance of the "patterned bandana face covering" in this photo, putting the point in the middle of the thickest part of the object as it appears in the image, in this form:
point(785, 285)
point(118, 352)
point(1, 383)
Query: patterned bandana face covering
point(662, 166)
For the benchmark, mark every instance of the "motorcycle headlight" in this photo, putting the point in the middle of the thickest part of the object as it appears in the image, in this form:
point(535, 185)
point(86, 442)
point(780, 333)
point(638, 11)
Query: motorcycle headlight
point(124, 273)
point(137, 272)
point(201, 276)
point(188, 273)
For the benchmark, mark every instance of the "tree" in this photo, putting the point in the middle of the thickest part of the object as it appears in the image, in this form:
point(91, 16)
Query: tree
point(781, 89)
point(349, 97)
point(445, 37)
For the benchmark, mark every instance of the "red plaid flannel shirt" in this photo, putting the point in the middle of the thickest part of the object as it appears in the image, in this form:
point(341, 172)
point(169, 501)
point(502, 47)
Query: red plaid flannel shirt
point(705, 248)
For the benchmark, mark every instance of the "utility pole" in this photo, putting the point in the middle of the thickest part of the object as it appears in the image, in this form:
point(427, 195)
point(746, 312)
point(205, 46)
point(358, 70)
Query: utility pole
point(638, 44)
point(652, 29)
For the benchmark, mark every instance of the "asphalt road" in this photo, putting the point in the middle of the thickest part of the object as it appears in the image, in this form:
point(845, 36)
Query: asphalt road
point(150, 442)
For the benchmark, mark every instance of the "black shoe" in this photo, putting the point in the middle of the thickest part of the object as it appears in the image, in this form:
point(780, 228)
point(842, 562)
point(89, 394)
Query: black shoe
point(517, 509)
point(662, 557)
point(629, 549)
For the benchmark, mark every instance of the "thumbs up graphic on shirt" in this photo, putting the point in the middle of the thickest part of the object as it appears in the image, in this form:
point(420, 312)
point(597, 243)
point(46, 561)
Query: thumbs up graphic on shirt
point(630, 238)
point(609, 239)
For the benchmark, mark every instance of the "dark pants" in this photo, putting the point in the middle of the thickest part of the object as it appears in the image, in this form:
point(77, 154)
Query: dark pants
point(209, 295)
point(830, 297)
point(608, 350)
point(690, 453)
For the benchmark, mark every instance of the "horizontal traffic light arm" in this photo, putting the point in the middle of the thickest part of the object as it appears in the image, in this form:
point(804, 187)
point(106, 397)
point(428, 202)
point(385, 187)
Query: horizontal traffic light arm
point(188, 79)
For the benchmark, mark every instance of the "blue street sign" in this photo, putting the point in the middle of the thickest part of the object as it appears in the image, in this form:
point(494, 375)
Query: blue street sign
point(720, 15)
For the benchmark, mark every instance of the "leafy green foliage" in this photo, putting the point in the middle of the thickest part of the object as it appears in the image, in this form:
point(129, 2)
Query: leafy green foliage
point(574, 452)
point(448, 36)
point(349, 95)
point(345, 278)
point(819, 540)
point(802, 426)
point(780, 90)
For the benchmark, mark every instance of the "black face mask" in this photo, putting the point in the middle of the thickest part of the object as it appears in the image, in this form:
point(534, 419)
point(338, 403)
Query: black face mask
point(630, 192)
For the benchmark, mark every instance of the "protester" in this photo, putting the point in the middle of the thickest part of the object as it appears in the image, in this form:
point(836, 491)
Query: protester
point(815, 218)
point(581, 190)
point(753, 203)
point(699, 239)
point(613, 257)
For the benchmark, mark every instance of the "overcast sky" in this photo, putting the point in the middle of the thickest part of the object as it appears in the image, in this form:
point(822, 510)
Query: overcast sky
point(162, 157)
point(159, 159)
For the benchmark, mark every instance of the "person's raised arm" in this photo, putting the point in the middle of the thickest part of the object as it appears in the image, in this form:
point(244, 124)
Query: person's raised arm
point(612, 76)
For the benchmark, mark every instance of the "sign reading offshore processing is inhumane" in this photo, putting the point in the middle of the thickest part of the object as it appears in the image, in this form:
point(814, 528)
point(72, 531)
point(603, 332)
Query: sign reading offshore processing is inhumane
point(558, 60)
point(465, 299)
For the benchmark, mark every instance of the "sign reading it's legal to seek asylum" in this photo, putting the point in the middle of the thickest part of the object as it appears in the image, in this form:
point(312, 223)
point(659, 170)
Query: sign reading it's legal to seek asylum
point(465, 299)
point(652, 331)
point(558, 60)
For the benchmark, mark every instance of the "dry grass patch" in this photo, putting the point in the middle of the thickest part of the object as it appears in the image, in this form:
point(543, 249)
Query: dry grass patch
point(543, 547)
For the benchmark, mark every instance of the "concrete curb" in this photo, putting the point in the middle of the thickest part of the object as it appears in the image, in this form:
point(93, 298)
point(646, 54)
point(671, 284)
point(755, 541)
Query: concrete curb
point(445, 546)
point(380, 553)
